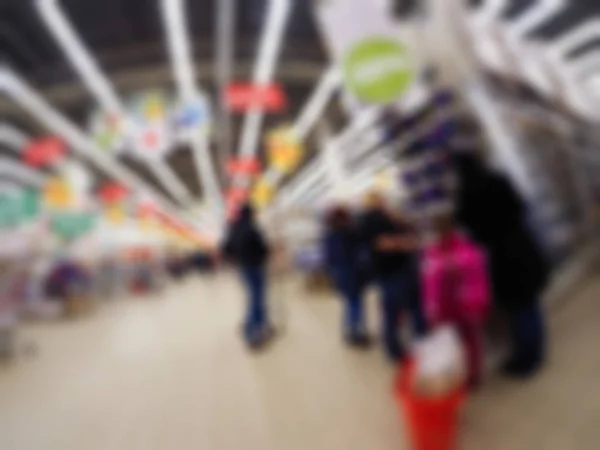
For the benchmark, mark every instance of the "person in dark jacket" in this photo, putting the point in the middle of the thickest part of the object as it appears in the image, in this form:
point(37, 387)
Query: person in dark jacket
point(490, 209)
point(343, 257)
point(391, 247)
point(246, 247)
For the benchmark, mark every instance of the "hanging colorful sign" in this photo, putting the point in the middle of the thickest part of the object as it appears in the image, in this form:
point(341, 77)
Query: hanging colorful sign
point(79, 181)
point(44, 152)
point(112, 193)
point(376, 65)
point(11, 210)
point(192, 116)
point(70, 225)
point(31, 204)
point(109, 131)
point(263, 193)
point(152, 136)
point(19, 206)
point(116, 214)
point(57, 193)
point(284, 149)
point(241, 97)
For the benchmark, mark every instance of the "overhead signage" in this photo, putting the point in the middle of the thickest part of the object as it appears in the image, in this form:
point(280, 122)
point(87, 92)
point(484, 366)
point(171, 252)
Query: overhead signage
point(363, 38)
point(243, 166)
point(241, 97)
point(109, 131)
point(44, 152)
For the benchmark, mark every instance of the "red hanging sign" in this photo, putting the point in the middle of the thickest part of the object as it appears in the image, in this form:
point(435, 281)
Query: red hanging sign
point(112, 193)
point(44, 152)
point(240, 97)
point(243, 166)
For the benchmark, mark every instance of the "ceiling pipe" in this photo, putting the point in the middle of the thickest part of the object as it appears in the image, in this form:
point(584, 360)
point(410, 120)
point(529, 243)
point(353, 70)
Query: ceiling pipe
point(172, 12)
point(17, 171)
point(13, 138)
point(224, 56)
point(264, 70)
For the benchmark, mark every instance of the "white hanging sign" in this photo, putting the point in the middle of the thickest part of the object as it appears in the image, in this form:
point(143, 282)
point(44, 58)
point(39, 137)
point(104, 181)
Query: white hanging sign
point(151, 128)
point(191, 117)
point(362, 37)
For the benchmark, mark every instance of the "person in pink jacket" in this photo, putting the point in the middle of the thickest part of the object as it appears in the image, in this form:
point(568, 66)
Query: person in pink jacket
point(456, 289)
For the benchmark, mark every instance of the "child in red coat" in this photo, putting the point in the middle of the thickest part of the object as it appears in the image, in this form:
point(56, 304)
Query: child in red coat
point(456, 289)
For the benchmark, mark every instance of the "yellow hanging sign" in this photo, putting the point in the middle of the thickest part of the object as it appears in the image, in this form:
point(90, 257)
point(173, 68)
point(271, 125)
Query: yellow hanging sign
point(57, 193)
point(263, 193)
point(285, 150)
point(115, 214)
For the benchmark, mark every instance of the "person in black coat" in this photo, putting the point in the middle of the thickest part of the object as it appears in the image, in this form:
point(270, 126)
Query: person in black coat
point(342, 250)
point(391, 247)
point(490, 209)
point(245, 246)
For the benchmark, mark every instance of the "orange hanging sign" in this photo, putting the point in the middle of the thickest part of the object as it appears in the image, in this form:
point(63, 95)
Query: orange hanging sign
point(285, 150)
point(58, 193)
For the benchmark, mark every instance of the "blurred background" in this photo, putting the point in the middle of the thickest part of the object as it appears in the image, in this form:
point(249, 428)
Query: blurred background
point(132, 132)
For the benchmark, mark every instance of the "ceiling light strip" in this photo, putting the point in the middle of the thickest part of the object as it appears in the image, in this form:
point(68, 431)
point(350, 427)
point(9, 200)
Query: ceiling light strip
point(182, 63)
point(314, 108)
point(13, 138)
point(224, 49)
point(15, 170)
point(535, 16)
point(270, 46)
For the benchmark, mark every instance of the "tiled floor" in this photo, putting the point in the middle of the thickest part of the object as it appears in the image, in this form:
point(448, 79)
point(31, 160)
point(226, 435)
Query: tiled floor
point(171, 373)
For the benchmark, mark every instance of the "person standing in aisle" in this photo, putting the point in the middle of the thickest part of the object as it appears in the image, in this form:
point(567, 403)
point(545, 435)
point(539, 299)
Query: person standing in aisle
point(456, 288)
point(342, 252)
point(391, 247)
point(246, 246)
point(492, 212)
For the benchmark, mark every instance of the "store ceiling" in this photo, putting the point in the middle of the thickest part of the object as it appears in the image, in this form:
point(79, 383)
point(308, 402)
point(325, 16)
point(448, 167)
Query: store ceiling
point(127, 38)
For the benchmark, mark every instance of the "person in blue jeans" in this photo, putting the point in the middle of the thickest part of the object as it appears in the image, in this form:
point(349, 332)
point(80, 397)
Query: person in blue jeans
point(391, 247)
point(246, 246)
point(342, 251)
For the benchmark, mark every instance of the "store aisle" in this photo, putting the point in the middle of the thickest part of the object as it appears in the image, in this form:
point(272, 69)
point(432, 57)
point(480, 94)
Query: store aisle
point(171, 373)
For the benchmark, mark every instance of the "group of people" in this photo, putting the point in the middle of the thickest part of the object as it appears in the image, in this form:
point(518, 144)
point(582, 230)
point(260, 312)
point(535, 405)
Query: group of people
point(481, 252)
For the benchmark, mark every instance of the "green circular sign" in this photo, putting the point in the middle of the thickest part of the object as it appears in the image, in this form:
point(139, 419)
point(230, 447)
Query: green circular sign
point(378, 70)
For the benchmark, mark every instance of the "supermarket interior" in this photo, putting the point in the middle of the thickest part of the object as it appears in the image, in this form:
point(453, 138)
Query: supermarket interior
point(292, 224)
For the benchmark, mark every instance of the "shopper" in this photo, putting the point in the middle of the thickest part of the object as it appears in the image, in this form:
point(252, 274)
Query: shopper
point(391, 246)
point(456, 288)
point(492, 212)
point(246, 246)
point(342, 250)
